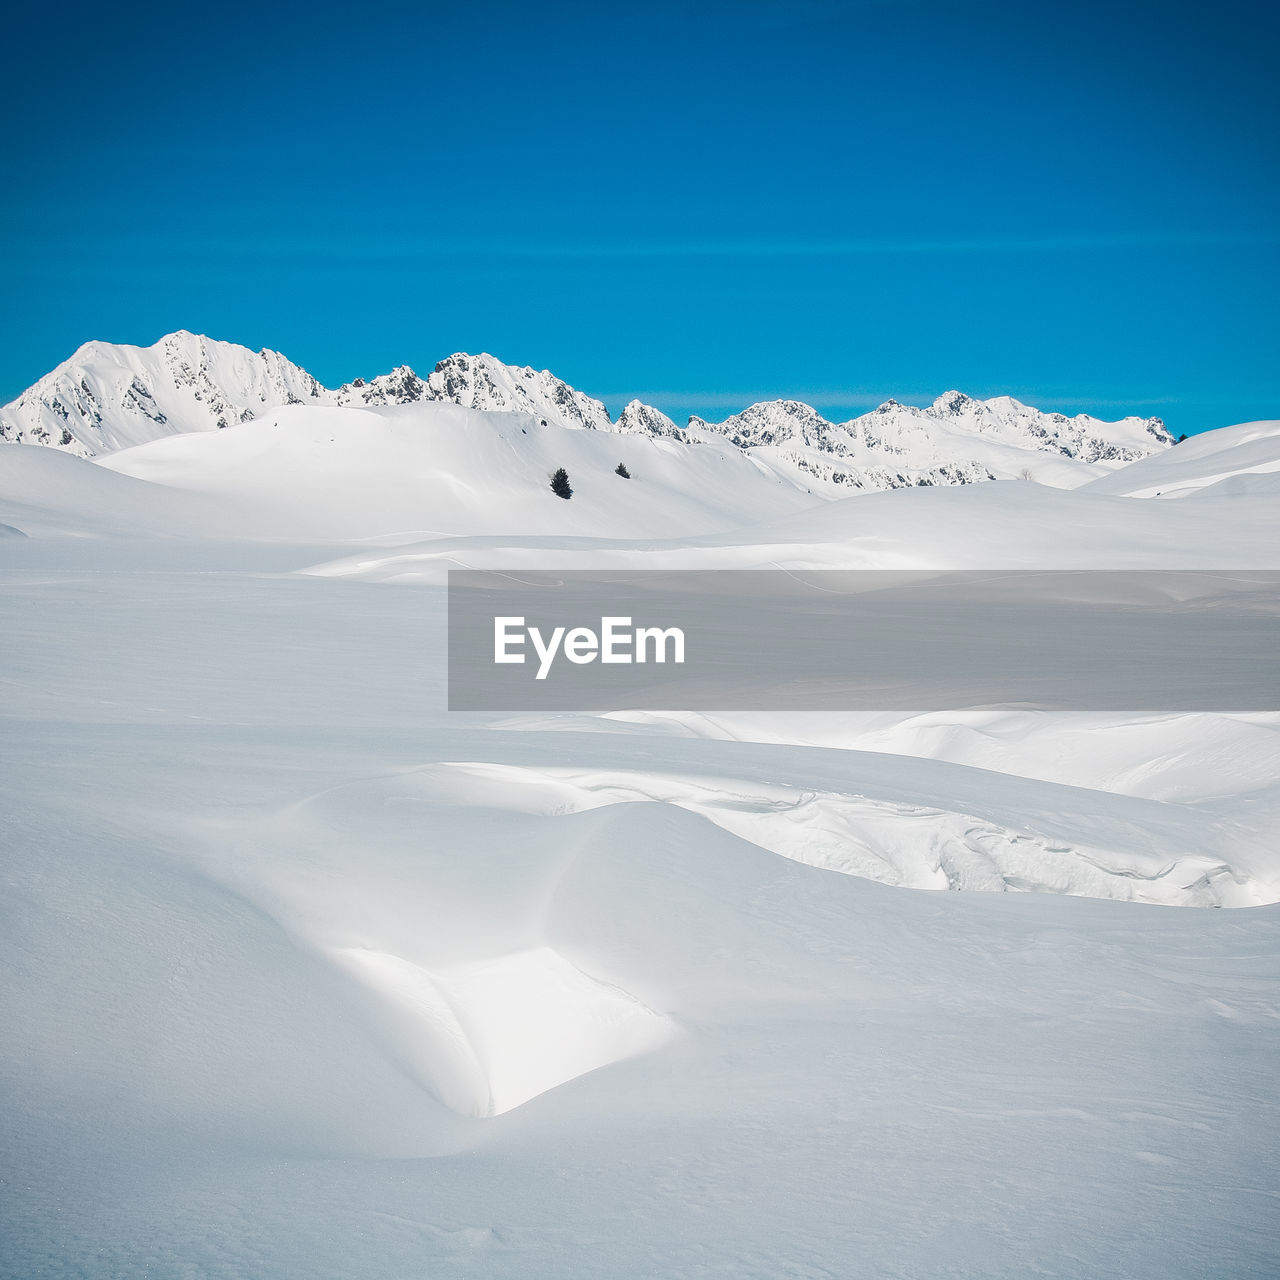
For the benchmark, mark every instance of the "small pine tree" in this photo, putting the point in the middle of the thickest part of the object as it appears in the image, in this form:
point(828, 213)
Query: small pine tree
point(621, 470)
point(560, 484)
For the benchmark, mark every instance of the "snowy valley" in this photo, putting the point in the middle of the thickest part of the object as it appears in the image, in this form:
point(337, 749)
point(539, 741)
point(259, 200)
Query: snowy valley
point(307, 975)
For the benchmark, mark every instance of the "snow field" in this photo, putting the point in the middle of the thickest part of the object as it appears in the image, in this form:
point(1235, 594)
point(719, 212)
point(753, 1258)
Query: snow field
point(303, 975)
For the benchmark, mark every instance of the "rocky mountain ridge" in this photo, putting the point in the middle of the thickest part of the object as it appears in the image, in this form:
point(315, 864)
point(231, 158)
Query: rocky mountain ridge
point(111, 397)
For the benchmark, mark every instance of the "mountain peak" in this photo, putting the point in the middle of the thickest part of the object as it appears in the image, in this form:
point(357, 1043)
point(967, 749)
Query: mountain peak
point(108, 396)
point(642, 419)
point(771, 422)
point(483, 382)
point(952, 403)
point(400, 386)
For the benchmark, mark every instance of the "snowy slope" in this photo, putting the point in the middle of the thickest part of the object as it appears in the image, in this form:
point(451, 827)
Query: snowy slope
point(1003, 525)
point(438, 468)
point(1248, 456)
point(303, 975)
point(427, 470)
point(395, 473)
point(47, 492)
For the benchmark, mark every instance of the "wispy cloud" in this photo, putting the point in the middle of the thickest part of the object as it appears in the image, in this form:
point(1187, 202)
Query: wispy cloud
point(404, 248)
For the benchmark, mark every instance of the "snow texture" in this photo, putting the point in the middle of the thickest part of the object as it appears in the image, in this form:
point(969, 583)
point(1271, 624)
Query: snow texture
point(304, 975)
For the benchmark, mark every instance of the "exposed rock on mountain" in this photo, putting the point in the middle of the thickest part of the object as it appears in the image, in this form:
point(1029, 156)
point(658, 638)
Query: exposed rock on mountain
point(107, 398)
point(481, 382)
point(643, 419)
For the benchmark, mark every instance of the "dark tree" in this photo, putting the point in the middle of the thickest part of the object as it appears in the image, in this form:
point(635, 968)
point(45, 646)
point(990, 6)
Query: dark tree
point(621, 470)
point(560, 484)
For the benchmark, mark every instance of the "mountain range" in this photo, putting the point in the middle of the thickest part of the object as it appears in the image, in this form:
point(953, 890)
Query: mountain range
point(110, 397)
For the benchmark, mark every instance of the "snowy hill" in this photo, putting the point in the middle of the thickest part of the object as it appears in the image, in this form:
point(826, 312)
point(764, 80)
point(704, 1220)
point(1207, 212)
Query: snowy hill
point(406, 473)
point(394, 472)
point(1246, 457)
point(107, 398)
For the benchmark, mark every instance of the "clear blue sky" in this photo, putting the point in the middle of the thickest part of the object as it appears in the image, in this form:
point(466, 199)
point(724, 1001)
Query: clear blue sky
point(702, 205)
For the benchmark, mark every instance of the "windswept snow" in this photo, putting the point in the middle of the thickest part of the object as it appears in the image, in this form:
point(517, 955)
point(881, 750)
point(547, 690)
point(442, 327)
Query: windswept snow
point(917, 842)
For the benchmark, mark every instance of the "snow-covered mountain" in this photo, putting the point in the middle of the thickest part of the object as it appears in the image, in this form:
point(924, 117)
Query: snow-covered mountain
point(644, 419)
point(481, 382)
point(955, 440)
point(107, 398)
point(400, 386)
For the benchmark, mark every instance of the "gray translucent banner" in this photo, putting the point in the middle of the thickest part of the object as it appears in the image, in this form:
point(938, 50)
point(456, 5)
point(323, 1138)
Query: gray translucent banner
point(864, 640)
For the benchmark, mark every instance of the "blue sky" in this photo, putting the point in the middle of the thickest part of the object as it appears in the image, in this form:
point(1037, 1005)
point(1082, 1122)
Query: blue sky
point(702, 205)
